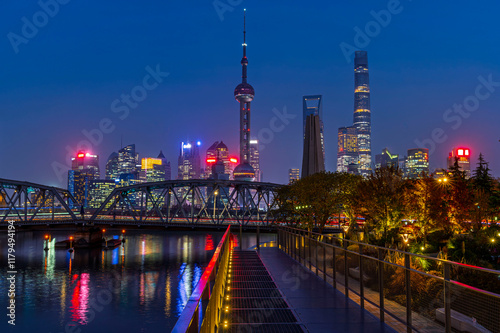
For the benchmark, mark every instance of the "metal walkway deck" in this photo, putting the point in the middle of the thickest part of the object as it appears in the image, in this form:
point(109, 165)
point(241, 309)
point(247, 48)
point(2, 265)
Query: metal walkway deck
point(255, 302)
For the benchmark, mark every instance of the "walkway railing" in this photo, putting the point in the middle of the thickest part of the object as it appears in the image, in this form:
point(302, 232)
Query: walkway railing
point(410, 292)
point(203, 309)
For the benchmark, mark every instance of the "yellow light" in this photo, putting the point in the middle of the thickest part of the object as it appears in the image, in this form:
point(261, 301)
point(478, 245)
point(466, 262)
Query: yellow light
point(493, 240)
point(422, 248)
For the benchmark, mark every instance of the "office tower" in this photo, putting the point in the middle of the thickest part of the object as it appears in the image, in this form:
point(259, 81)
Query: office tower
point(244, 94)
point(347, 150)
point(166, 165)
point(386, 159)
point(152, 170)
point(99, 190)
point(188, 163)
point(255, 159)
point(218, 151)
point(463, 157)
point(293, 175)
point(128, 161)
point(417, 162)
point(84, 169)
point(112, 167)
point(312, 105)
point(312, 158)
point(362, 114)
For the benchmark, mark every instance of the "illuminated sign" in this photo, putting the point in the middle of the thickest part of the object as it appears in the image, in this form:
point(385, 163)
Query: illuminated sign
point(233, 160)
point(80, 155)
point(211, 160)
point(463, 152)
point(254, 142)
point(198, 143)
point(187, 146)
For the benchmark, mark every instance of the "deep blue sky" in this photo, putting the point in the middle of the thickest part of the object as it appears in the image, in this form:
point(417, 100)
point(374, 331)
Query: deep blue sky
point(64, 79)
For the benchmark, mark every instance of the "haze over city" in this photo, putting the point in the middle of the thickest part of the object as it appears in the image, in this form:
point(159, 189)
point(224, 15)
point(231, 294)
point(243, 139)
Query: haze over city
point(65, 78)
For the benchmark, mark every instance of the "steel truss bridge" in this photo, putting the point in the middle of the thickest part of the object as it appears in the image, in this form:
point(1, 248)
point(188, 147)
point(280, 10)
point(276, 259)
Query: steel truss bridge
point(195, 202)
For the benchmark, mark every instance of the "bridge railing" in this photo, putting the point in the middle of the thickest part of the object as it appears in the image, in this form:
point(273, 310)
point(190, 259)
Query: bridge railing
point(204, 308)
point(408, 291)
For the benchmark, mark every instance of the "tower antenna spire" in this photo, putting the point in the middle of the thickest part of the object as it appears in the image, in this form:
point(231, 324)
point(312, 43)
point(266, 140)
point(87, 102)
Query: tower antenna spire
point(244, 25)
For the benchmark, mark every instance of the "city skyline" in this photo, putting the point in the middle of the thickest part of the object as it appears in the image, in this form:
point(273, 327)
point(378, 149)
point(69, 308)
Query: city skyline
point(49, 98)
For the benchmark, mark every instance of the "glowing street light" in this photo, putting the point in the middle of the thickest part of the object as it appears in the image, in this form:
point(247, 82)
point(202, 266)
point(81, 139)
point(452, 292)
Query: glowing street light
point(215, 198)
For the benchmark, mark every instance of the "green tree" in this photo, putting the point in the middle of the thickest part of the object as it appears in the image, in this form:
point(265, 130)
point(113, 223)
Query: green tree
point(382, 201)
point(460, 201)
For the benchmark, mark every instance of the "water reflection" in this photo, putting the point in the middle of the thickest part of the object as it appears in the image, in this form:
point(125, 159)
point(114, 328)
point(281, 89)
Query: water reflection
point(140, 286)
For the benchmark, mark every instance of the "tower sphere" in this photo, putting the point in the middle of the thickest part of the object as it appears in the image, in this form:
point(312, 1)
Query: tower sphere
point(244, 92)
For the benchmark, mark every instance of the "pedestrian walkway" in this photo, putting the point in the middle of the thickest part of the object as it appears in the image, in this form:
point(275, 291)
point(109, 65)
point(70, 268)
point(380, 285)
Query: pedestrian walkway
point(255, 302)
point(317, 305)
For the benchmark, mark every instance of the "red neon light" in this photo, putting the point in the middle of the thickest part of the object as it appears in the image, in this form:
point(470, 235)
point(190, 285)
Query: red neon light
point(233, 160)
point(463, 152)
point(211, 160)
point(81, 155)
point(467, 153)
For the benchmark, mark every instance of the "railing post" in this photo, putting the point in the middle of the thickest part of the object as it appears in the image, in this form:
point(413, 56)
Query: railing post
point(334, 267)
point(300, 247)
point(381, 283)
point(309, 250)
point(258, 237)
point(241, 235)
point(346, 270)
point(408, 292)
point(447, 298)
point(316, 256)
point(324, 262)
point(361, 283)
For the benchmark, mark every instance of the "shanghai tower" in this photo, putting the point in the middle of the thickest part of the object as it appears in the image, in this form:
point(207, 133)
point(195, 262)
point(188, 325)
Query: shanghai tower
point(362, 114)
point(244, 94)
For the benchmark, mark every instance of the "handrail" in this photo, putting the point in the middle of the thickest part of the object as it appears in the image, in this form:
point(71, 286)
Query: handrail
point(306, 247)
point(483, 269)
point(189, 320)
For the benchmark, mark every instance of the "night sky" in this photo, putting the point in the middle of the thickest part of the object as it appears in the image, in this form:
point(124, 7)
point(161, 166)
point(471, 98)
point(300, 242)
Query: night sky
point(64, 78)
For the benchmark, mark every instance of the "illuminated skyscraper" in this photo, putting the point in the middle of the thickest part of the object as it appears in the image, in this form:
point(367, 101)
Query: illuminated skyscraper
point(99, 190)
point(152, 170)
point(166, 166)
point(362, 113)
point(128, 161)
point(463, 157)
point(386, 159)
point(312, 158)
point(244, 94)
point(347, 149)
point(312, 105)
point(293, 175)
point(188, 166)
point(84, 169)
point(417, 162)
point(218, 150)
point(255, 159)
point(112, 167)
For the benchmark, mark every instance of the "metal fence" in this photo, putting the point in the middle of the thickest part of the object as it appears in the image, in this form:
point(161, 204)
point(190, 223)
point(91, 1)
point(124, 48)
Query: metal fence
point(410, 292)
point(203, 309)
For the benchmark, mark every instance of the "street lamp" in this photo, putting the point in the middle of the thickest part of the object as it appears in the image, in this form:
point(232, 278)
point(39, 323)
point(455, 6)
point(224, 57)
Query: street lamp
point(70, 244)
point(47, 237)
point(105, 241)
point(215, 198)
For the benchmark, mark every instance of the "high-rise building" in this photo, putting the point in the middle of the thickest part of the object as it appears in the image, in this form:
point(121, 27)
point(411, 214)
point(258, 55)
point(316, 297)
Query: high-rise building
point(166, 166)
point(128, 161)
point(347, 149)
point(386, 159)
point(255, 159)
point(312, 159)
point(152, 170)
point(188, 163)
point(362, 113)
point(417, 162)
point(99, 190)
point(293, 175)
point(462, 155)
point(244, 94)
point(84, 169)
point(312, 105)
point(112, 167)
point(218, 151)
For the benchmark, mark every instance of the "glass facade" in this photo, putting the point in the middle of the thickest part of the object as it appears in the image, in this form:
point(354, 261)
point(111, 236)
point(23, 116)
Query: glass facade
point(189, 166)
point(255, 159)
point(112, 167)
point(312, 105)
point(293, 175)
point(347, 149)
point(84, 169)
point(417, 162)
point(128, 160)
point(99, 191)
point(386, 159)
point(362, 113)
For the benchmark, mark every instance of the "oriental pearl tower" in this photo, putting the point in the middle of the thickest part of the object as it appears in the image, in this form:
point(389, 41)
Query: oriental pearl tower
point(244, 94)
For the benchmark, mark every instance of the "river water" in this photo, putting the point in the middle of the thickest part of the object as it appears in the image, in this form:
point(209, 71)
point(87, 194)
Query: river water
point(141, 286)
